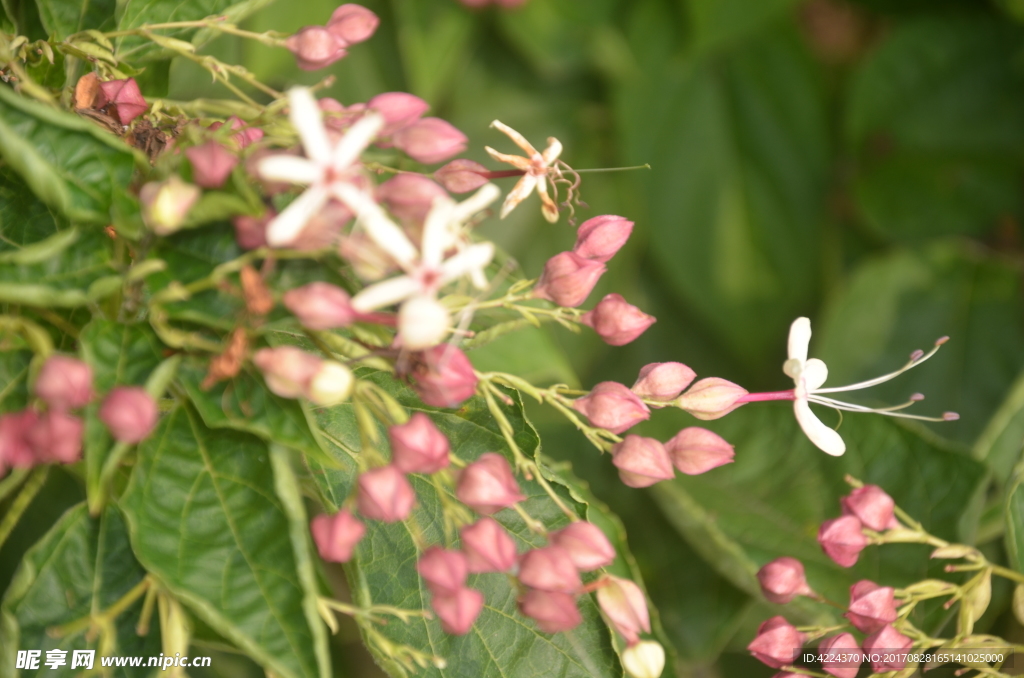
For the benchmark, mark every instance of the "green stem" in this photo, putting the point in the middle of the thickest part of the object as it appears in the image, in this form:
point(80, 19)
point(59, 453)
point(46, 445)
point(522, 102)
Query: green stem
point(21, 503)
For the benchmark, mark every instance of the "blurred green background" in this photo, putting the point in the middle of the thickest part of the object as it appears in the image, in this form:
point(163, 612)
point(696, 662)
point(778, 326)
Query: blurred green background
point(861, 163)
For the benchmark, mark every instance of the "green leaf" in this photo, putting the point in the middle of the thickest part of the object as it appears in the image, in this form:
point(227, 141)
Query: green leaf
point(772, 500)
point(64, 17)
point(739, 152)
point(133, 14)
point(905, 300)
point(434, 38)
point(70, 163)
point(1015, 521)
point(245, 404)
point(81, 567)
point(935, 116)
point(999, 445)
point(502, 642)
point(720, 22)
point(205, 521)
point(14, 377)
point(24, 219)
point(556, 36)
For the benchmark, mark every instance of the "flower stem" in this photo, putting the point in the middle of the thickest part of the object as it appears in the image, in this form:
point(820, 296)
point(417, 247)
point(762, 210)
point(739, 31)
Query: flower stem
point(21, 503)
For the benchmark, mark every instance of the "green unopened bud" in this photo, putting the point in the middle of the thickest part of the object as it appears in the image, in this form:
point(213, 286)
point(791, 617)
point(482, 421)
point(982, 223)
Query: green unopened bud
point(955, 551)
point(332, 384)
point(165, 204)
point(1018, 603)
point(975, 600)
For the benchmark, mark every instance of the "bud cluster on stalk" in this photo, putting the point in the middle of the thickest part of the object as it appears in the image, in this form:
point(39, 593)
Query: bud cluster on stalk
point(880, 628)
point(47, 432)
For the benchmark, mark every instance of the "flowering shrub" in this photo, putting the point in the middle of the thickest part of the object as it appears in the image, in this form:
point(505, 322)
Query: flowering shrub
point(248, 326)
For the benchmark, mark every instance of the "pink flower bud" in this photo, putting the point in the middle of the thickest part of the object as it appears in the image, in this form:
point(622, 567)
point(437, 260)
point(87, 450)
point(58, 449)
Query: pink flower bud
point(711, 398)
point(872, 506)
point(554, 612)
point(409, 196)
point(287, 370)
point(462, 176)
point(399, 110)
point(15, 449)
point(487, 485)
point(430, 140)
point(568, 279)
point(842, 539)
point(444, 377)
point(64, 383)
point(56, 437)
point(166, 204)
point(586, 545)
point(443, 571)
point(601, 237)
point(641, 461)
point(417, 446)
point(129, 413)
point(320, 306)
point(696, 450)
point(353, 23)
point(336, 536)
point(612, 406)
point(385, 494)
point(663, 381)
point(488, 547)
point(126, 98)
point(211, 164)
point(617, 321)
point(246, 136)
point(777, 643)
point(457, 611)
point(251, 232)
point(882, 645)
point(871, 606)
point(782, 580)
point(315, 47)
point(549, 568)
point(624, 604)
point(836, 646)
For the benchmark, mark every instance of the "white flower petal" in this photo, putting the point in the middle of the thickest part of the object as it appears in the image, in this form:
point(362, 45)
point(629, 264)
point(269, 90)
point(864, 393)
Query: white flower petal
point(289, 168)
point(822, 436)
point(385, 293)
point(308, 122)
point(516, 137)
point(356, 139)
point(813, 374)
point(477, 202)
point(552, 152)
point(799, 339)
point(388, 236)
point(518, 193)
point(286, 227)
point(473, 258)
point(436, 231)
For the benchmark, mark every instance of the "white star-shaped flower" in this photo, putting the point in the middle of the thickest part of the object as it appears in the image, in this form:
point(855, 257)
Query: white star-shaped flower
point(328, 165)
point(422, 320)
point(536, 166)
point(810, 374)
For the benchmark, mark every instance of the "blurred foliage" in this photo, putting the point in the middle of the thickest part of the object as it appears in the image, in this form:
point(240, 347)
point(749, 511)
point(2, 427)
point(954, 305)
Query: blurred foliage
point(857, 162)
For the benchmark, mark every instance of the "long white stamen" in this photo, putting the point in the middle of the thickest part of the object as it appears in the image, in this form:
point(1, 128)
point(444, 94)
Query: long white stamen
point(885, 377)
point(888, 412)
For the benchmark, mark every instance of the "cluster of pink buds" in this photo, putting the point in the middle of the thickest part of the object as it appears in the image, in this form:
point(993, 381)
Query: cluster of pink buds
point(30, 437)
point(316, 47)
point(872, 608)
point(865, 508)
point(644, 461)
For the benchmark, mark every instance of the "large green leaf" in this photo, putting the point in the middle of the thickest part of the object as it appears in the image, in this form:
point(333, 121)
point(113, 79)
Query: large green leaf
point(905, 300)
point(14, 377)
point(739, 152)
point(1000, 444)
point(205, 520)
point(81, 567)
point(24, 219)
point(64, 17)
point(719, 22)
point(502, 642)
point(132, 14)
point(936, 115)
point(1015, 521)
point(70, 163)
point(771, 501)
